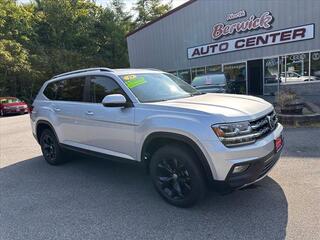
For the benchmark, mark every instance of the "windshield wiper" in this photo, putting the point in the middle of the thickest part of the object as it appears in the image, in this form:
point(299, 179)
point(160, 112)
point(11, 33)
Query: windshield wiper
point(197, 93)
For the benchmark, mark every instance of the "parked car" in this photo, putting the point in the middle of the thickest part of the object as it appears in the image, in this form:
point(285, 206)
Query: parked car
point(295, 77)
point(187, 140)
point(210, 83)
point(12, 105)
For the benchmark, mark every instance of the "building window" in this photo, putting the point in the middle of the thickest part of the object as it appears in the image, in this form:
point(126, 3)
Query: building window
point(198, 71)
point(315, 66)
point(271, 75)
point(294, 68)
point(271, 70)
point(214, 69)
point(236, 75)
point(185, 75)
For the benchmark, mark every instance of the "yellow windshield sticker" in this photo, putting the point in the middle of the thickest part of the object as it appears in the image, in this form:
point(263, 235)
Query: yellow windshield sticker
point(129, 77)
point(135, 82)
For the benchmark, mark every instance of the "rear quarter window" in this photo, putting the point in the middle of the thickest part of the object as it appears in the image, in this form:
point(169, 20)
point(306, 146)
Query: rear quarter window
point(71, 89)
point(51, 90)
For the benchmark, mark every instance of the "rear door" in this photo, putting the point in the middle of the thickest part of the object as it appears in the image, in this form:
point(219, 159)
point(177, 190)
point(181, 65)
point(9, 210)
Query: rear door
point(69, 110)
point(110, 130)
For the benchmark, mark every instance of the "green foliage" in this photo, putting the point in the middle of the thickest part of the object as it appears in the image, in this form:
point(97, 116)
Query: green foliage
point(149, 10)
point(47, 37)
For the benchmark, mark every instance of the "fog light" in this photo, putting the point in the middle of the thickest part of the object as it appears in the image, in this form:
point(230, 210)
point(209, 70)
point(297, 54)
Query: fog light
point(240, 169)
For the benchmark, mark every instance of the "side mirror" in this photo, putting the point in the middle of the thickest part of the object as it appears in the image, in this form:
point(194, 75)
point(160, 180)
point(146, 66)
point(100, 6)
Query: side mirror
point(114, 100)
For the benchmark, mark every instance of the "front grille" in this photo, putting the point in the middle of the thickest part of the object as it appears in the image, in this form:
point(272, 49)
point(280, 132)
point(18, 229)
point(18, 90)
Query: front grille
point(264, 125)
point(14, 107)
point(249, 132)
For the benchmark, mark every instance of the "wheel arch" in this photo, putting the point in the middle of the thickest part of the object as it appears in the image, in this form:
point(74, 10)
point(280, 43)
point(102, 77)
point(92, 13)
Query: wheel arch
point(42, 125)
point(157, 139)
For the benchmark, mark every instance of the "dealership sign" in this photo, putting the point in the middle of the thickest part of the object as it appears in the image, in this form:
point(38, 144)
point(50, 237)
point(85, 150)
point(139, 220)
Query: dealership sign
point(259, 40)
point(252, 23)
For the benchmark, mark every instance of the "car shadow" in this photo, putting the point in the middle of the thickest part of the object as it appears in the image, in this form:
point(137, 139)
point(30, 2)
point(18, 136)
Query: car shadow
point(90, 198)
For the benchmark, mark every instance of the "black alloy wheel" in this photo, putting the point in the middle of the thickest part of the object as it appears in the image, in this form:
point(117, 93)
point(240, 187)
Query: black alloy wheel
point(177, 176)
point(173, 178)
point(51, 149)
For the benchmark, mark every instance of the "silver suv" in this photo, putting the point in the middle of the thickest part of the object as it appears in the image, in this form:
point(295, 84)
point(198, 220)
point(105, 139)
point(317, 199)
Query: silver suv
point(187, 140)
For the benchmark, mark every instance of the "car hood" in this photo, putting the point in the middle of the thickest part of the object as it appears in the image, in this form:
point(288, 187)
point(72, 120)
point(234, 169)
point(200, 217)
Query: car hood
point(230, 107)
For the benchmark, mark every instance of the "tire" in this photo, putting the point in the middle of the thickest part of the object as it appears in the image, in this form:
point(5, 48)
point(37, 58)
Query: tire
point(51, 149)
point(176, 176)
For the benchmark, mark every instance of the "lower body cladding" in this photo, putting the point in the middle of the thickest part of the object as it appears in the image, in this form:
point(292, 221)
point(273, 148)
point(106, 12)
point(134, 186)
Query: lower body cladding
point(241, 166)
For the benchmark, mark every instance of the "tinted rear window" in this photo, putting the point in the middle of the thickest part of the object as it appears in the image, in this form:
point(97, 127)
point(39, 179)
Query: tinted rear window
point(51, 90)
point(71, 89)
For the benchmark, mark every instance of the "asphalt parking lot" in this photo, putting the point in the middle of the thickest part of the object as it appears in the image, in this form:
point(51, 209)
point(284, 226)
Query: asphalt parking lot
point(91, 198)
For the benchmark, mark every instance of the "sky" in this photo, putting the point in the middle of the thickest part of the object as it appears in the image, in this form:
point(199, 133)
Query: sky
point(129, 3)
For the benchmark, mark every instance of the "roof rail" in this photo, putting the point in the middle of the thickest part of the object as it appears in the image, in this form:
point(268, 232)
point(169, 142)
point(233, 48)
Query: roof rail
point(83, 70)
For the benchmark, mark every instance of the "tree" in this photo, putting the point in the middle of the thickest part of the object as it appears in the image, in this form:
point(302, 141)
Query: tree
point(149, 10)
point(110, 39)
point(47, 37)
point(123, 18)
point(15, 33)
point(14, 59)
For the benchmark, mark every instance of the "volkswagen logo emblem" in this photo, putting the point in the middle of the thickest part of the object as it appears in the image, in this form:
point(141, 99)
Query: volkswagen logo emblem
point(271, 122)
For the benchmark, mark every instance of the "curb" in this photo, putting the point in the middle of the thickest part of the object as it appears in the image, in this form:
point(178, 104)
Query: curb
point(299, 119)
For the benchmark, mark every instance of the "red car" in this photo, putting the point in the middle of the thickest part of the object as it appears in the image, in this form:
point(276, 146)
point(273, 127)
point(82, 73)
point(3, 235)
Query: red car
point(12, 105)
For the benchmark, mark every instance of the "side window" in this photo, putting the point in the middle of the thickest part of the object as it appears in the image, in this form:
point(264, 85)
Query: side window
point(71, 89)
point(51, 90)
point(101, 86)
point(291, 75)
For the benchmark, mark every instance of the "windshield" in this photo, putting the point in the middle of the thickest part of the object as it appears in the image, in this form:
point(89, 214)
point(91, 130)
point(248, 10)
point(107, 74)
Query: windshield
point(212, 79)
point(9, 100)
point(155, 87)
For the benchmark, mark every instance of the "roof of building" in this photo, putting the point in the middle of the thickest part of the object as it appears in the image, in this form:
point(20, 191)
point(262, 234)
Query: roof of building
point(162, 16)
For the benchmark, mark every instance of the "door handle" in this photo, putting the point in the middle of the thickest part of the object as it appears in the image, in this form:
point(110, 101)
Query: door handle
point(90, 113)
point(56, 109)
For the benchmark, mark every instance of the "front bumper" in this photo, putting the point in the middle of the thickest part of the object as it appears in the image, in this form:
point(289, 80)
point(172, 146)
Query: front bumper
point(257, 170)
point(222, 159)
point(9, 111)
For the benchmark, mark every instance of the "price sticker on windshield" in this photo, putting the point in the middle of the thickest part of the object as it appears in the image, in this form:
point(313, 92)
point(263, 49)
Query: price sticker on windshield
point(129, 77)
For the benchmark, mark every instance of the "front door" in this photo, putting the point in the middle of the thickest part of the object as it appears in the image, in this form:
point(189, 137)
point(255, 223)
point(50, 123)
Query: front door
point(110, 130)
point(255, 77)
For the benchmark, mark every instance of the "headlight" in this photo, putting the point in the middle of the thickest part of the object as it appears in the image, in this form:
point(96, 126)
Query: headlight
point(234, 134)
point(6, 107)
